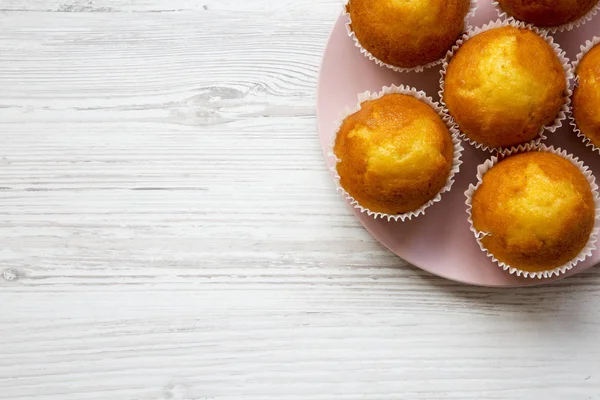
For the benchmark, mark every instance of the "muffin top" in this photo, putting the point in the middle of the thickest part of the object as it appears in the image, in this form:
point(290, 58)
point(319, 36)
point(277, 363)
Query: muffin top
point(537, 210)
point(395, 154)
point(503, 85)
point(586, 97)
point(407, 33)
point(547, 13)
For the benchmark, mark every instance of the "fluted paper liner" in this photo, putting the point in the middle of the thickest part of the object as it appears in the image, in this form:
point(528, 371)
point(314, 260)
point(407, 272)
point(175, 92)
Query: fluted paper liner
point(419, 68)
point(562, 114)
point(590, 245)
point(456, 162)
point(584, 50)
point(553, 29)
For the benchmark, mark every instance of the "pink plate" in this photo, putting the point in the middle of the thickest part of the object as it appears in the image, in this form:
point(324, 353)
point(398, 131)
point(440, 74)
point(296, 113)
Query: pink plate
point(439, 242)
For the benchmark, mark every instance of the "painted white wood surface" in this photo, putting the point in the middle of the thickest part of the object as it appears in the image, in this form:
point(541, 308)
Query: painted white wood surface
point(168, 229)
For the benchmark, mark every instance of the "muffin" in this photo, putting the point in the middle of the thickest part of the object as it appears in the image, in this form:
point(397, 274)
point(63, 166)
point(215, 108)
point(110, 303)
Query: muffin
point(503, 86)
point(394, 155)
point(535, 211)
point(407, 34)
point(586, 97)
point(547, 13)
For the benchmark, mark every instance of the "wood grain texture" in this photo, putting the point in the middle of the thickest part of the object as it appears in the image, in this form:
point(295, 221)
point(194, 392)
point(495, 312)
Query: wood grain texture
point(168, 229)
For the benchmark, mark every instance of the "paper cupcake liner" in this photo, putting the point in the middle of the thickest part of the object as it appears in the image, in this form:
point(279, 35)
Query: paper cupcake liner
point(552, 29)
point(456, 162)
point(563, 112)
point(584, 50)
point(591, 243)
point(419, 68)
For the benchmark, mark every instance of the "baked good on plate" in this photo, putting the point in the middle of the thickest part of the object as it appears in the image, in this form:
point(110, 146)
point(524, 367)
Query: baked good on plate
point(394, 155)
point(502, 86)
point(407, 34)
point(547, 13)
point(586, 97)
point(535, 211)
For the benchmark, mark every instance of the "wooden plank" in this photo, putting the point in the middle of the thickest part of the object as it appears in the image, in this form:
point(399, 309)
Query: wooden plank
point(113, 6)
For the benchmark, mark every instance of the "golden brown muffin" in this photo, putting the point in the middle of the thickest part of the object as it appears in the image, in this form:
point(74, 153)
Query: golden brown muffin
point(586, 98)
point(396, 154)
point(547, 13)
point(538, 210)
point(503, 85)
point(407, 33)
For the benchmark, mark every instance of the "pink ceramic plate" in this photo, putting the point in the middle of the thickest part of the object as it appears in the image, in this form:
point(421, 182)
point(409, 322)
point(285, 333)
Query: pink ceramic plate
point(440, 241)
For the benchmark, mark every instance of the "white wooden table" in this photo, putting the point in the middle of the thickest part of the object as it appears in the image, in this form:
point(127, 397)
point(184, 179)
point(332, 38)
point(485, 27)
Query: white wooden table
point(168, 229)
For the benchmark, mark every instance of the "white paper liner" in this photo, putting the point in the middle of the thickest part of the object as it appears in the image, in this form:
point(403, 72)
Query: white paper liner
point(591, 243)
point(566, 63)
point(420, 95)
point(419, 68)
point(585, 48)
point(553, 29)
